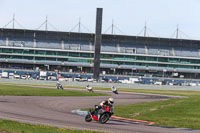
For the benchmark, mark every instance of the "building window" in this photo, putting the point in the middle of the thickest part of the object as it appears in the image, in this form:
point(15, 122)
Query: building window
point(17, 43)
point(163, 52)
point(130, 50)
point(199, 52)
point(74, 47)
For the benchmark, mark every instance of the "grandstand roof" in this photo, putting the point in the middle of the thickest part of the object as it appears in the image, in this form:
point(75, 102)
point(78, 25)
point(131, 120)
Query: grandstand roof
point(75, 36)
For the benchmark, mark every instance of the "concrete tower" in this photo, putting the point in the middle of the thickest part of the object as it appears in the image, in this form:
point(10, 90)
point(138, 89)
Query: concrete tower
point(98, 39)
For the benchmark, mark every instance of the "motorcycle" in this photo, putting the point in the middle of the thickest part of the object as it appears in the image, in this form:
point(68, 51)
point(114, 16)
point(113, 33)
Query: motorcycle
point(59, 86)
point(89, 89)
point(116, 92)
point(100, 114)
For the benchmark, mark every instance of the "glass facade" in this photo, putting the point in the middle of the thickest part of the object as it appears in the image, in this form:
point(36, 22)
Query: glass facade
point(108, 58)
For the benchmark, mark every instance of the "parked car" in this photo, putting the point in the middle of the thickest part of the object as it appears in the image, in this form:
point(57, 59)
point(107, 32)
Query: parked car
point(160, 83)
point(23, 77)
point(61, 79)
point(77, 78)
point(173, 83)
point(90, 79)
point(54, 78)
point(11, 75)
point(43, 77)
point(16, 76)
point(193, 84)
point(68, 78)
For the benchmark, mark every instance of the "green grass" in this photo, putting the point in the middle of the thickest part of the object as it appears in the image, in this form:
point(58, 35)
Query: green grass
point(16, 127)
point(181, 112)
point(35, 91)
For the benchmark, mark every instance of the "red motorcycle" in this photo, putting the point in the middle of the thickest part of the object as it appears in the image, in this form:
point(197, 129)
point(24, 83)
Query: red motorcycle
point(100, 114)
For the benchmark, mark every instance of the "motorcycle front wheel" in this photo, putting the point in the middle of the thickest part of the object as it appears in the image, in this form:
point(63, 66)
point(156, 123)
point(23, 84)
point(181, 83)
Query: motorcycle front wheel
point(104, 118)
point(88, 118)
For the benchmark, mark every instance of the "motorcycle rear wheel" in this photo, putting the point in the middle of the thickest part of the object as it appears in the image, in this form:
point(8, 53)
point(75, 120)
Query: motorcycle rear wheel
point(88, 118)
point(104, 118)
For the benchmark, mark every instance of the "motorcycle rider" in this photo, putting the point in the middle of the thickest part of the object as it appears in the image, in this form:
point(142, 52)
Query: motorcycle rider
point(89, 88)
point(110, 101)
point(58, 85)
point(114, 89)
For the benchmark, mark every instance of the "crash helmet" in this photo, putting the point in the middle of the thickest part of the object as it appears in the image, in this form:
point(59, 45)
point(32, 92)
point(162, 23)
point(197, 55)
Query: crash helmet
point(110, 100)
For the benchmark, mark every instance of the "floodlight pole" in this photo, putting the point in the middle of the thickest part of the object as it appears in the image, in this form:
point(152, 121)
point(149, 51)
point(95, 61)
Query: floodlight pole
point(79, 25)
point(13, 21)
point(145, 29)
point(97, 39)
point(177, 31)
point(46, 24)
point(112, 27)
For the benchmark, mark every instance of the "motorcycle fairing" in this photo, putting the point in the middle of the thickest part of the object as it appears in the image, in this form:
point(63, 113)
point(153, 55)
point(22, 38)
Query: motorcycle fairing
point(95, 118)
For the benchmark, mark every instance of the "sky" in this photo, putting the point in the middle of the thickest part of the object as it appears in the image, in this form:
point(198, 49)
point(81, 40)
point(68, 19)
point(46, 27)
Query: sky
point(128, 16)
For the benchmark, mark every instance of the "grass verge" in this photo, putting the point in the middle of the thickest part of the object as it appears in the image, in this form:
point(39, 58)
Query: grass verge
point(181, 112)
point(15, 127)
point(35, 91)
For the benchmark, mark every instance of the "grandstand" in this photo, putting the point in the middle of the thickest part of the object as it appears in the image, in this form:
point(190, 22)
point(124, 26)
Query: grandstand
point(120, 54)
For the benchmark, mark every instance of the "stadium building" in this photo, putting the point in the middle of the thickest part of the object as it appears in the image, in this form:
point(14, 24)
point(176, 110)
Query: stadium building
point(120, 54)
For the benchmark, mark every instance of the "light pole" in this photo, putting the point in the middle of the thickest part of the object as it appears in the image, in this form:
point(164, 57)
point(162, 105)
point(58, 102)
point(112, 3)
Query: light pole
point(164, 70)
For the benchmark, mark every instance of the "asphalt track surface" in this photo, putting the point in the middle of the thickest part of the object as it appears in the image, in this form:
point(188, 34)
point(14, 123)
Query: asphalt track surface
point(57, 111)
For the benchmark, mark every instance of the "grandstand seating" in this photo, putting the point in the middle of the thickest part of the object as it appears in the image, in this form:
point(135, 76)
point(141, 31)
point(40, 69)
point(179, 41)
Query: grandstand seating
point(48, 44)
point(2, 42)
point(109, 47)
point(139, 49)
point(186, 51)
point(86, 47)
